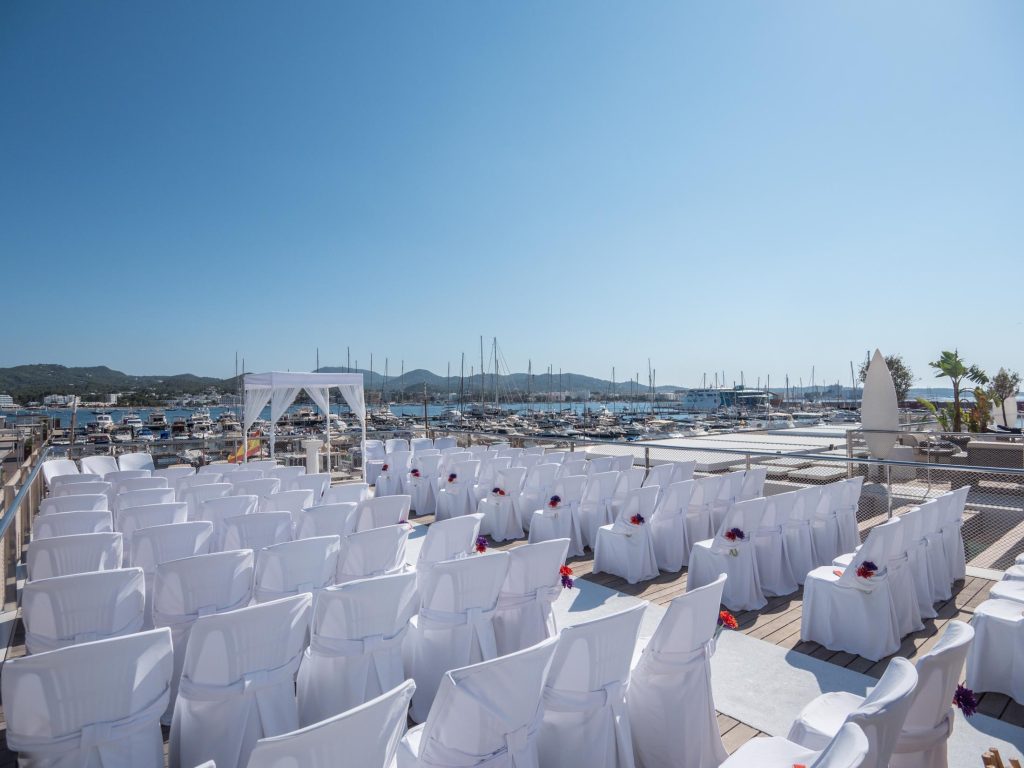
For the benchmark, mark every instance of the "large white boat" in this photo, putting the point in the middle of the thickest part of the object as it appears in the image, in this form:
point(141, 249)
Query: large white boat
point(735, 398)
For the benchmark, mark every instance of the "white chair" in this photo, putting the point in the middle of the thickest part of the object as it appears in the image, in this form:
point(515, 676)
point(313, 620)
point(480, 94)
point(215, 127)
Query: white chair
point(596, 505)
point(200, 478)
point(292, 502)
point(455, 496)
point(173, 474)
point(326, 520)
point(237, 476)
point(732, 552)
point(505, 727)
point(85, 502)
point(442, 443)
point(559, 516)
point(195, 495)
point(68, 610)
point(554, 457)
point(573, 465)
point(523, 615)
point(702, 502)
point(138, 484)
point(373, 459)
point(753, 483)
point(422, 483)
point(53, 468)
point(537, 488)
point(381, 511)
point(996, 660)
point(728, 494)
point(447, 540)
point(60, 483)
point(951, 531)
point(337, 494)
point(185, 589)
point(131, 519)
point(71, 523)
point(392, 473)
point(418, 444)
point(454, 625)
point(661, 475)
point(670, 527)
point(355, 650)
point(296, 567)
point(847, 750)
point(825, 527)
point(487, 476)
point(67, 555)
point(929, 721)
point(370, 733)
point(126, 474)
point(528, 460)
point(94, 704)
point(848, 500)
point(317, 483)
point(238, 682)
point(501, 522)
point(625, 548)
point(257, 531)
point(264, 488)
point(82, 489)
point(586, 721)
point(219, 511)
point(128, 461)
point(854, 611)
point(933, 516)
point(99, 465)
point(622, 463)
point(376, 552)
point(880, 715)
point(219, 468)
point(915, 546)
point(797, 533)
point(671, 707)
point(396, 444)
point(266, 465)
point(161, 543)
point(284, 474)
point(140, 498)
point(598, 464)
point(773, 567)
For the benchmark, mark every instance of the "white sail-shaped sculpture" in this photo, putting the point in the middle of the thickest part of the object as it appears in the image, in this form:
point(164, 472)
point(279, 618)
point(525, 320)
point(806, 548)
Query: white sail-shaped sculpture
point(879, 409)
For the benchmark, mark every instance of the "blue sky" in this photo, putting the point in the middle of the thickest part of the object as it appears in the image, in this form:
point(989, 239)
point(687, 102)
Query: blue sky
point(755, 186)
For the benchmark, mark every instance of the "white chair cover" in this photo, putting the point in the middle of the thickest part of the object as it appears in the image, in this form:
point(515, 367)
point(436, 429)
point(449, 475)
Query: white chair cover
point(487, 476)
point(523, 615)
point(847, 750)
point(996, 661)
point(376, 552)
point(264, 488)
point(825, 528)
point(586, 721)
point(622, 463)
point(71, 523)
point(917, 559)
point(219, 510)
point(80, 489)
point(670, 527)
point(326, 520)
point(200, 478)
point(455, 496)
point(284, 474)
point(423, 486)
point(316, 483)
point(932, 517)
point(447, 540)
point(355, 650)
point(661, 475)
point(598, 464)
point(396, 466)
point(396, 444)
point(131, 519)
point(83, 502)
point(62, 481)
point(337, 494)
point(127, 461)
point(201, 585)
point(296, 567)
point(500, 519)
point(537, 489)
point(292, 502)
point(441, 443)
point(195, 495)
point(501, 698)
point(94, 704)
point(627, 549)
point(596, 505)
point(99, 465)
point(671, 708)
point(140, 498)
point(880, 715)
point(53, 468)
point(852, 613)
point(68, 610)
point(702, 501)
point(238, 682)
point(629, 480)
point(173, 474)
point(454, 625)
point(138, 484)
point(561, 519)
point(797, 532)
point(127, 474)
point(244, 475)
point(67, 555)
point(263, 529)
point(370, 733)
point(848, 497)
point(737, 558)
point(728, 494)
point(753, 483)
point(773, 566)
point(951, 531)
point(380, 511)
point(160, 543)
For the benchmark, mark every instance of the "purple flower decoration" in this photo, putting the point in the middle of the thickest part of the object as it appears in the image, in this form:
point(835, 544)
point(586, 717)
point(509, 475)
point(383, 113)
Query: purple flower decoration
point(566, 573)
point(735, 534)
point(637, 519)
point(965, 700)
point(481, 544)
point(554, 501)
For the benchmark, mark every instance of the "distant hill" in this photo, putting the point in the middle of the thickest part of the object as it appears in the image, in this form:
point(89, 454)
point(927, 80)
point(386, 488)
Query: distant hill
point(32, 382)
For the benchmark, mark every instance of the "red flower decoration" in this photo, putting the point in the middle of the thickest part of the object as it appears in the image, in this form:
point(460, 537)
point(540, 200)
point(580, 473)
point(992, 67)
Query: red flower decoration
point(481, 544)
point(727, 620)
point(734, 534)
point(415, 473)
point(451, 477)
point(866, 569)
point(565, 572)
point(554, 501)
point(384, 468)
point(497, 491)
point(637, 519)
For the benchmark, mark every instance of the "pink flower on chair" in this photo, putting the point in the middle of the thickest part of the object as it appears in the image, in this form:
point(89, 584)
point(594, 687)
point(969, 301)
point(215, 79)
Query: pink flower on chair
point(451, 477)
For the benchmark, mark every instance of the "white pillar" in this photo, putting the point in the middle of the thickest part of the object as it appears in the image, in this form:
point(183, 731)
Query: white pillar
point(312, 455)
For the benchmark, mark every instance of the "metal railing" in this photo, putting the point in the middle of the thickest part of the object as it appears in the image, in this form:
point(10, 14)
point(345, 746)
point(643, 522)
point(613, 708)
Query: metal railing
point(22, 493)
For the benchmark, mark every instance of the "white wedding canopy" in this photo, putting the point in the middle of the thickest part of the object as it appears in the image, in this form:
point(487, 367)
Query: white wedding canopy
point(280, 389)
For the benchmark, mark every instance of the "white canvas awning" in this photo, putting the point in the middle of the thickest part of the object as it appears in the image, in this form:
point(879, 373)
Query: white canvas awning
point(280, 388)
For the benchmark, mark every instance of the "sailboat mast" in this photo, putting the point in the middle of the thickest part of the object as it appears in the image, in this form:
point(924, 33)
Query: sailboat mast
point(481, 375)
point(496, 372)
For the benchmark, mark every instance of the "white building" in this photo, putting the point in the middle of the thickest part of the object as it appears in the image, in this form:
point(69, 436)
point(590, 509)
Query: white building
point(60, 400)
point(6, 401)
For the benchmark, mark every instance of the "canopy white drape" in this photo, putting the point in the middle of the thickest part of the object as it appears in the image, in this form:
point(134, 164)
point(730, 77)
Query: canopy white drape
point(281, 388)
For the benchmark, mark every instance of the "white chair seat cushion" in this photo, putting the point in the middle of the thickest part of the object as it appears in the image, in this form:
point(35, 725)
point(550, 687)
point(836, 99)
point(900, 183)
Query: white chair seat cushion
point(822, 718)
point(771, 752)
point(1014, 573)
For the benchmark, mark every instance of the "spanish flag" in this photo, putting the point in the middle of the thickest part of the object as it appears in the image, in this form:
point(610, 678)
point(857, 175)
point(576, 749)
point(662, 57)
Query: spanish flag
point(254, 449)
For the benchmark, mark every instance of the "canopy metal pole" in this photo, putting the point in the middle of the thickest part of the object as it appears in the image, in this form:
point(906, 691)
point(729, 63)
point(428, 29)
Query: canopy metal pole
point(362, 448)
point(327, 419)
point(245, 429)
point(273, 437)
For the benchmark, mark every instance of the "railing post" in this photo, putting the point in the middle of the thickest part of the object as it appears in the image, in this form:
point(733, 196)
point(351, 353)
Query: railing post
point(748, 461)
point(647, 458)
point(888, 482)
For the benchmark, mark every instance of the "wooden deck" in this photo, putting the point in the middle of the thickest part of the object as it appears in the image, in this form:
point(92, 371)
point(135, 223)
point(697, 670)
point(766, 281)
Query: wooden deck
point(777, 623)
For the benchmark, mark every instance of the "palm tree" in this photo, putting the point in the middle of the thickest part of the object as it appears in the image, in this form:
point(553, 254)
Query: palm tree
point(950, 365)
